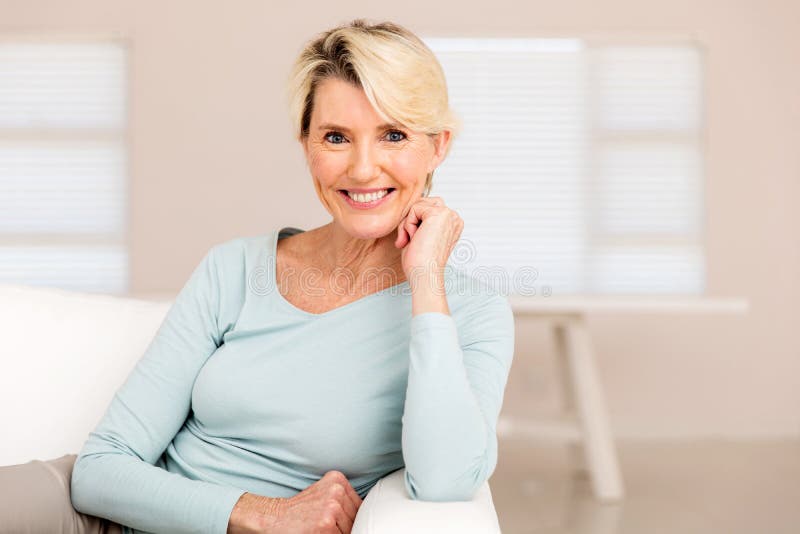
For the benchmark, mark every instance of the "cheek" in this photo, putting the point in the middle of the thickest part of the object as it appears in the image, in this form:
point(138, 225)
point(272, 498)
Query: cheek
point(408, 167)
point(326, 167)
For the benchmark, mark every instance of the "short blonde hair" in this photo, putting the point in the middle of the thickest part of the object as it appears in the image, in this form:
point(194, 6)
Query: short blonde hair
point(399, 74)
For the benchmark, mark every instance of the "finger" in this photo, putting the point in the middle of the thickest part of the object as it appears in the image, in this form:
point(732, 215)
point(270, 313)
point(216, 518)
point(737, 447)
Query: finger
point(405, 231)
point(344, 522)
point(355, 498)
point(416, 215)
point(410, 229)
point(350, 495)
point(425, 201)
point(411, 220)
point(346, 502)
point(329, 524)
point(402, 237)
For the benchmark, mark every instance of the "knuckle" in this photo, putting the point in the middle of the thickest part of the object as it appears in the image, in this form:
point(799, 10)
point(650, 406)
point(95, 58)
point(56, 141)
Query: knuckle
point(338, 477)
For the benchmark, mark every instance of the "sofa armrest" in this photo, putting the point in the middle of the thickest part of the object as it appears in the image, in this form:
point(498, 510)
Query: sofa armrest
point(388, 509)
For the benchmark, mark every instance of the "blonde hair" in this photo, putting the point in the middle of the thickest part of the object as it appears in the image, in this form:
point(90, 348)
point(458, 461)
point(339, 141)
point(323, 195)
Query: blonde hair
point(399, 74)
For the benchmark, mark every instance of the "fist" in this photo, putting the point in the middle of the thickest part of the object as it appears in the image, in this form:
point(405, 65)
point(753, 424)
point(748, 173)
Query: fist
point(328, 506)
point(427, 236)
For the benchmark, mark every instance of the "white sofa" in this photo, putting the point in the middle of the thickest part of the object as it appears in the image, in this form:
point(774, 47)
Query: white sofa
point(63, 354)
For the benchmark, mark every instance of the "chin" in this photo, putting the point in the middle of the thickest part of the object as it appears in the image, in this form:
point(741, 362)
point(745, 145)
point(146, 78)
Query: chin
point(360, 230)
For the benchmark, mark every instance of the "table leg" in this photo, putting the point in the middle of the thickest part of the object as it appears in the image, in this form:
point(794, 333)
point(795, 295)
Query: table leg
point(567, 395)
point(598, 442)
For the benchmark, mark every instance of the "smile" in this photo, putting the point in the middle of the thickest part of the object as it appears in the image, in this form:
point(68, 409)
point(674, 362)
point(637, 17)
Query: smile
point(366, 200)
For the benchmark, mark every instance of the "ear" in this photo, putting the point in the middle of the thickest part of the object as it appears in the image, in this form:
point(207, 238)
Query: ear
point(441, 143)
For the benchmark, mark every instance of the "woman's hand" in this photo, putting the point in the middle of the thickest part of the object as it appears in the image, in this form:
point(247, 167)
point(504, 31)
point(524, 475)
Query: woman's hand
point(328, 506)
point(426, 249)
point(428, 245)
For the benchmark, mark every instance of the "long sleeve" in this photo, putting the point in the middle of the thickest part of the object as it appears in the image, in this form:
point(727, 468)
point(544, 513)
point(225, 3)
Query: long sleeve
point(457, 377)
point(115, 475)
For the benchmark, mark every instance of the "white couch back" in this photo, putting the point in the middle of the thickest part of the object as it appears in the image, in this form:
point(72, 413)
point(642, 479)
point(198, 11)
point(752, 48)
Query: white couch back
point(63, 355)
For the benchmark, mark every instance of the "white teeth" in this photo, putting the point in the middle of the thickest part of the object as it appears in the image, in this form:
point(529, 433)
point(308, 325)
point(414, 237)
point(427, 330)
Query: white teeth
point(368, 197)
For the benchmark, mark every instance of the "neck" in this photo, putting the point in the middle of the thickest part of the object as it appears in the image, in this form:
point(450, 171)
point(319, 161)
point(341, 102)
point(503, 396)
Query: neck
point(361, 259)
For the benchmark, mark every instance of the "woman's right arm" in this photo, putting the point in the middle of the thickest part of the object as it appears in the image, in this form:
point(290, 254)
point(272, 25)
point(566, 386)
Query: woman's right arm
point(114, 475)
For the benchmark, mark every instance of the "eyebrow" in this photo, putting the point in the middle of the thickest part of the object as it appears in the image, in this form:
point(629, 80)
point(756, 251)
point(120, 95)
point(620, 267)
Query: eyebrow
point(331, 126)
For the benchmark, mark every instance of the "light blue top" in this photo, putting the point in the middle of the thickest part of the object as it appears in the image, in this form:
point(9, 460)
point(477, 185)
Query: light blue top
point(240, 390)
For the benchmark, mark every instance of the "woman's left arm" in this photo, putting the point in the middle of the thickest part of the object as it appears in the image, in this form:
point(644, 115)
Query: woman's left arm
point(457, 373)
point(456, 381)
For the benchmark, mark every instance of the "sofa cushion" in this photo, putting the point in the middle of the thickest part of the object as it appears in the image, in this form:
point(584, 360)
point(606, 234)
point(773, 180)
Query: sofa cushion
point(388, 509)
point(64, 354)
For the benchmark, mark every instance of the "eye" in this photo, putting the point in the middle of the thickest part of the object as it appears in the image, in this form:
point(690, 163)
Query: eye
point(395, 136)
point(334, 137)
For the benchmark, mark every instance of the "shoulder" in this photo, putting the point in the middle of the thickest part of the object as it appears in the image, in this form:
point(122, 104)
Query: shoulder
point(235, 261)
point(237, 266)
point(238, 254)
point(255, 248)
point(235, 246)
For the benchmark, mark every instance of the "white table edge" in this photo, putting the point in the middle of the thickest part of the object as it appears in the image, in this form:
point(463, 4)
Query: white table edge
point(579, 305)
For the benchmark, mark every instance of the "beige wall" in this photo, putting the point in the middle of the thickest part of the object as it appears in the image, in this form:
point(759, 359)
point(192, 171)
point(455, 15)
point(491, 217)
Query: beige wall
point(212, 158)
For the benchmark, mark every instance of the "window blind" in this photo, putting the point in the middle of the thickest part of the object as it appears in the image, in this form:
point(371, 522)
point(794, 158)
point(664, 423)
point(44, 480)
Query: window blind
point(578, 168)
point(63, 180)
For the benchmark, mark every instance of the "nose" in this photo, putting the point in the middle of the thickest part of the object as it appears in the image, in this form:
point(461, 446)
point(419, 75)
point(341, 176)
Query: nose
point(364, 163)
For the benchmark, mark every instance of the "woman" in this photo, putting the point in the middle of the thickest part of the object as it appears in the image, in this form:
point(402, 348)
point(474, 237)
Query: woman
point(296, 369)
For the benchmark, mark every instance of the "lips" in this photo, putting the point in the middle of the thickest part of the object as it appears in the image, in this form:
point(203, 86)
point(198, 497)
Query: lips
point(366, 205)
point(366, 191)
point(358, 190)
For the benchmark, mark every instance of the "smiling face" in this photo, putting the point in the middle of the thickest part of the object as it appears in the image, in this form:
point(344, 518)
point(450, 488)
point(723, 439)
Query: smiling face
point(350, 149)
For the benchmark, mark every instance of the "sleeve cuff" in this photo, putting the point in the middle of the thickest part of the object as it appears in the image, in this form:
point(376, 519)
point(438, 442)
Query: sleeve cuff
point(224, 504)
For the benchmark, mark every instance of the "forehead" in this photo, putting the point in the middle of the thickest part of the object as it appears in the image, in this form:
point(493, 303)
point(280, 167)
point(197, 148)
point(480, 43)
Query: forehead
point(341, 102)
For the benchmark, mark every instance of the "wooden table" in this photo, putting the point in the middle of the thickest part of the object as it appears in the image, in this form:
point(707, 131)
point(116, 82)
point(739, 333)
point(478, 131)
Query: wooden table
point(586, 422)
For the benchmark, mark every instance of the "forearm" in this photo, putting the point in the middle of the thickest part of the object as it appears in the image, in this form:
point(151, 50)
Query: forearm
point(448, 446)
point(132, 492)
